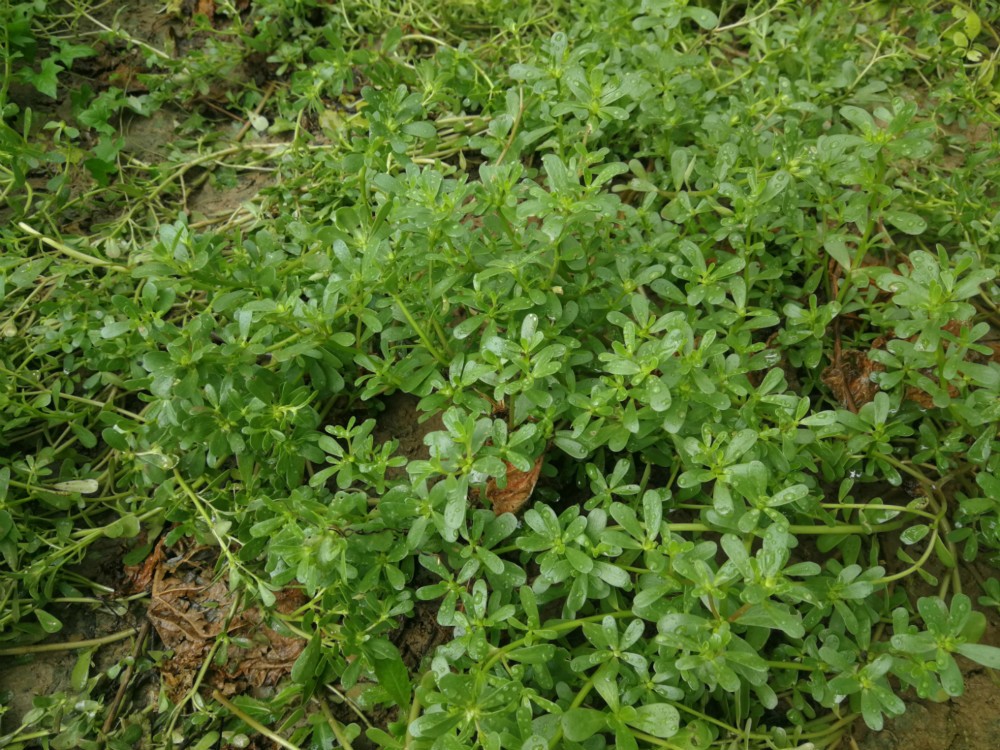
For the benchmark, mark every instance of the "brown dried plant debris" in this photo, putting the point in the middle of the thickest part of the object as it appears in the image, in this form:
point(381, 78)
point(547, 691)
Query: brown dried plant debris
point(520, 486)
point(924, 399)
point(193, 610)
point(850, 378)
point(205, 8)
point(140, 577)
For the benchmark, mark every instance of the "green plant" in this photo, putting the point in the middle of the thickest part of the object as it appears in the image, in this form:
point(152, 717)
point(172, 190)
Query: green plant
point(696, 263)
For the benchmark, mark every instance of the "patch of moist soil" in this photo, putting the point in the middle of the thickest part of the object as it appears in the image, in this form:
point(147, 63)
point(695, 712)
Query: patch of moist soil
point(420, 635)
point(956, 153)
point(191, 607)
point(176, 33)
point(417, 638)
point(145, 22)
point(401, 421)
point(26, 677)
point(147, 138)
point(214, 201)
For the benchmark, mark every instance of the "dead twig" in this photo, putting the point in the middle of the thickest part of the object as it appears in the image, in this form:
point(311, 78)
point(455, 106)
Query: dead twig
point(140, 643)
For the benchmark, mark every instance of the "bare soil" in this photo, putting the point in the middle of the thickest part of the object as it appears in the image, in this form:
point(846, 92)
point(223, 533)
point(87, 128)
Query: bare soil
point(401, 421)
point(969, 722)
point(26, 677)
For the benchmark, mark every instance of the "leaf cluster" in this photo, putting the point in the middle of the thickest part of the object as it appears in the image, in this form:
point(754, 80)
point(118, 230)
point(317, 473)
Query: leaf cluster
point(639, 241)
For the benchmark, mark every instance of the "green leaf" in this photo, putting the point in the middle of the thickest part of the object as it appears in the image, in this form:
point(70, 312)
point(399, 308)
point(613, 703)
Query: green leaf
point(979, 452)
point(560, 179)
point(114, 328)
point(658, 719)
point(82, 486)
point(702, 16)
point(915, 533)
point(49, 623)
point(934, 612)
point(858, 117)
point(988, 656)
point(580, 561)
point(581, 724)
point(606, 684)
point(679, 160)
point(611, 574)
point(304, 668)
point(944, 554)
point(420, 129)
point(906, 222)
point(836, 247)
point(46, 80)
point(454, 512)
point(776, 616)
point(571, 446)
point(81, 670)
point(266, 595)
point(393, 676)
point(973, 25)
point(539, 654)
point(434, 725)
point(776, 185)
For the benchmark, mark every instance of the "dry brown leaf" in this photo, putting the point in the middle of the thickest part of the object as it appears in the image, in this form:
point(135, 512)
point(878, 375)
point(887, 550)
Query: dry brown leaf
point(140, 577)
point(850, 380)
point(520, 485)
point(205, 8)
point(954, 327)
point(125, 75)
point(922, 397)
point(190, 608)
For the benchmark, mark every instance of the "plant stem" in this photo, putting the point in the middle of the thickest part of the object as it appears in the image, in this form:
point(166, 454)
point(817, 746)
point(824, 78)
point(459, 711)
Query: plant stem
point(559, 627)
point(335, 727)
point(45, 648)
point(70, 252)
point(806, 530)
point(421, 333)
point(126, 677)
point(916, 566)
point(252, 723)
point(577, 702)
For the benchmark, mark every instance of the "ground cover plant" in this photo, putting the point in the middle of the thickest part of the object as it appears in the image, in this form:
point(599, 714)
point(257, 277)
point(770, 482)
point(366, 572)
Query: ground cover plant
point(689, 310)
